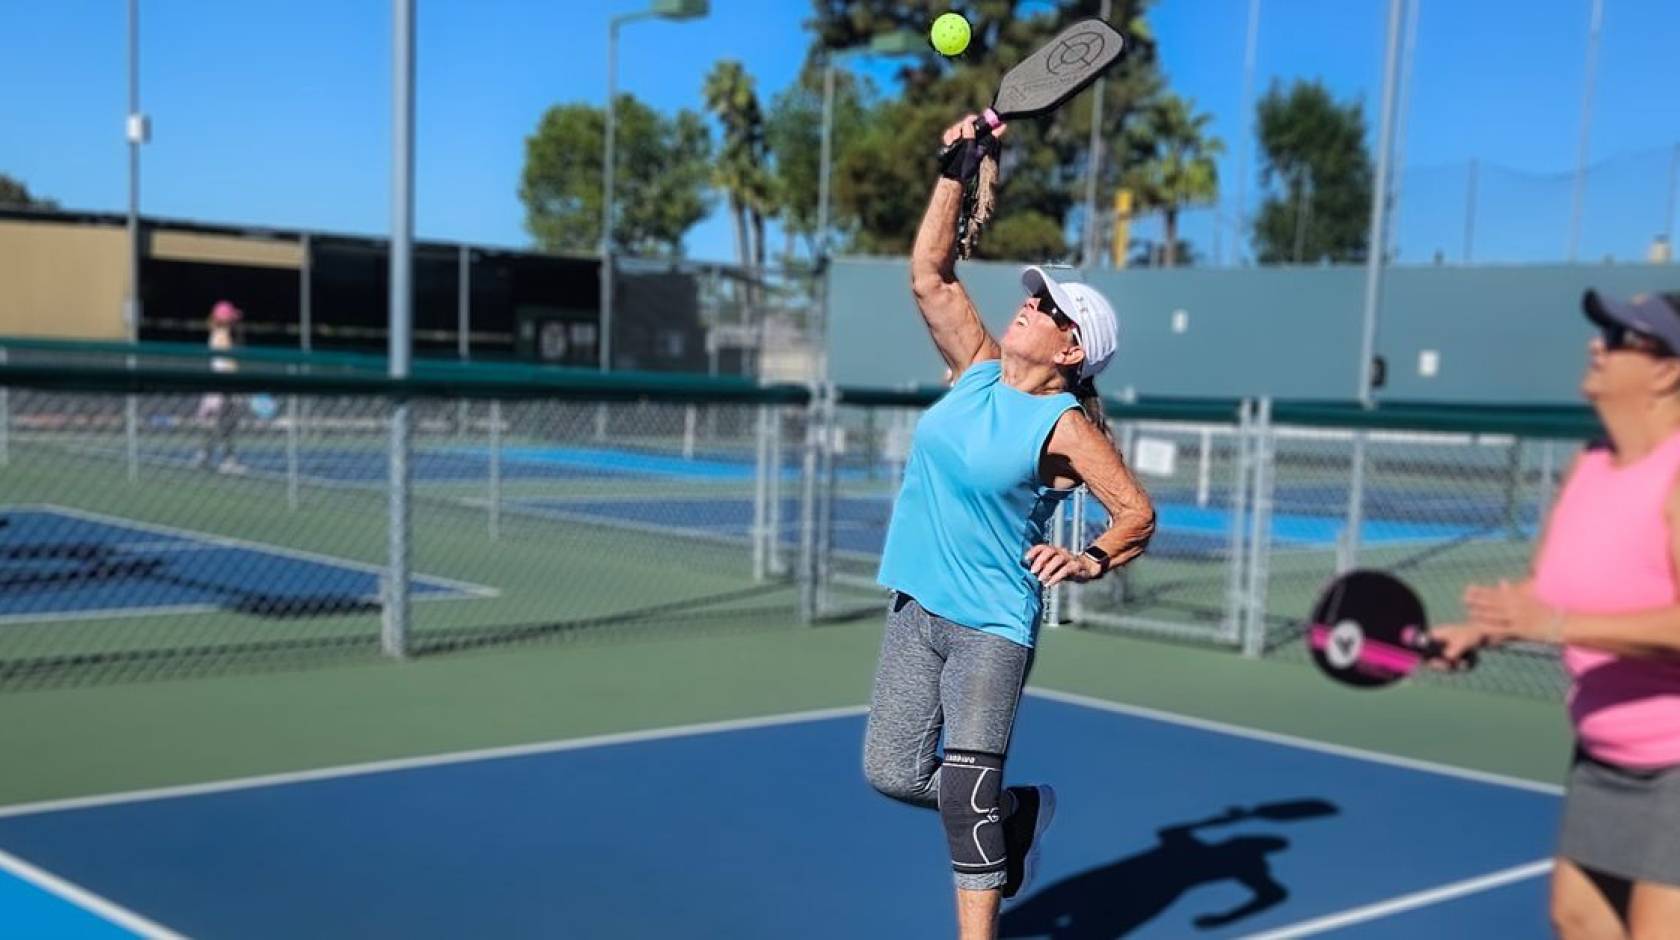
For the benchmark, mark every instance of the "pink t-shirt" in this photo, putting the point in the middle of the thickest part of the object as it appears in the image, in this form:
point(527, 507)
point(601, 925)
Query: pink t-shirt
point(1607, 551)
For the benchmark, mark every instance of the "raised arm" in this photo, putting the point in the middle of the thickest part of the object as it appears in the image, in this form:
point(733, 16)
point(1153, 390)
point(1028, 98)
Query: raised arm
point(947, 309)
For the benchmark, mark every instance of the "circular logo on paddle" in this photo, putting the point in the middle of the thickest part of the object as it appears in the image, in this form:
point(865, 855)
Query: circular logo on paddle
point(1079, 51)
point(1346, 640)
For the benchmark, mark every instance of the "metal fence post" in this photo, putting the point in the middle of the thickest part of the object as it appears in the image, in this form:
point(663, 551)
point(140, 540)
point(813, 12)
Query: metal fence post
point(1053, 595)
point(1204, 468)
point(808, 508)
point(1076, 594)
point(1260, 542)
point(1236, 600)
point(830, 462)
point(761, 494)
point(1548, 485)
point(776, 564)
point(495, 514)
point(1348, 543)
point(292, 447)
point(1513, 487)
point(131, 430)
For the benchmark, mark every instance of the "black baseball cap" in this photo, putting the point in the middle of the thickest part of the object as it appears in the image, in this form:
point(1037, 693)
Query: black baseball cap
point(1655, 315)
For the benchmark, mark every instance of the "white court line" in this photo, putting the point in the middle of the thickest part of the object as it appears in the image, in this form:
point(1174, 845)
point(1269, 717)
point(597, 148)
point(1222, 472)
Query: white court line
point(85, 899)
point(742, 724)
point(156, 548)
point(201, 541)
point(1405, 902)
point(430, 760)
point(1307, 744)
point(107, 613)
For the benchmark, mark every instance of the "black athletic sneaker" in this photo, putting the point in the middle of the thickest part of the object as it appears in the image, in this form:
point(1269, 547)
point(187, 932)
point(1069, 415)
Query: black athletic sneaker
point(1023, 834)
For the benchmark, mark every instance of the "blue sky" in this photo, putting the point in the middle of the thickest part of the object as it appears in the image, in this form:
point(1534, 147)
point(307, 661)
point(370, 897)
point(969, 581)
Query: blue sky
point(278, 114)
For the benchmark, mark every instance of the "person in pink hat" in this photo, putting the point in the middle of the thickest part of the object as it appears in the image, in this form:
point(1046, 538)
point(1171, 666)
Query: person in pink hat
point(218, 410)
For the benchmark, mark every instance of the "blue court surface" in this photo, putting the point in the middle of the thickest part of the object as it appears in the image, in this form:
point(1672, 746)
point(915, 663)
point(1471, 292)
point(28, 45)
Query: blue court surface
point(860, 523)
point(767, 829)
point(68, 564)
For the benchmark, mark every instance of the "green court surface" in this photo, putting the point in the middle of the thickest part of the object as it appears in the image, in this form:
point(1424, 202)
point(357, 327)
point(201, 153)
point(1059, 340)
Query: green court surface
point(151, 734)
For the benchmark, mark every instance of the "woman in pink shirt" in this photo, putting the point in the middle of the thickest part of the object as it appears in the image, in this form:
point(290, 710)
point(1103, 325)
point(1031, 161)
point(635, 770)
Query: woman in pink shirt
point(1605, 588)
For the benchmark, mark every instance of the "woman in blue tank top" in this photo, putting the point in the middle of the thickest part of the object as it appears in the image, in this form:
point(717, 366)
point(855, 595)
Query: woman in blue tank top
point(967, 556)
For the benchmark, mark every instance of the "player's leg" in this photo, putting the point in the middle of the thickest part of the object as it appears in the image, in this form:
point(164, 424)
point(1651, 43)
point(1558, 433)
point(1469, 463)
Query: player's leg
point(1654, 911)
point(980, 689)
point(227, 425)
point(900, 757)
point(1586, 905)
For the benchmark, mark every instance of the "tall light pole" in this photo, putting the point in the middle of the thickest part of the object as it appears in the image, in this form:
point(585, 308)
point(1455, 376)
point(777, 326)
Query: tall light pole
point(1249, 47)
point(1093, 165)
point(898, 42)
point(663, 9)
point(138, 130)
point(1376, 257)
point(1377, 250)
point(394, 623)
point(1578, 198)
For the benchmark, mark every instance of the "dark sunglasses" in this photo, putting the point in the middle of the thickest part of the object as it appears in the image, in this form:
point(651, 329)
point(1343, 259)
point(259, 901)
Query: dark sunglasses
point(1047, 306)
point(1617, 337)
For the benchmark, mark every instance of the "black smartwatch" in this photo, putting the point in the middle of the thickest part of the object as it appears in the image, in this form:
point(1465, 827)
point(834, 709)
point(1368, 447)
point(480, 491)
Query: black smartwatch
point(1097, 555)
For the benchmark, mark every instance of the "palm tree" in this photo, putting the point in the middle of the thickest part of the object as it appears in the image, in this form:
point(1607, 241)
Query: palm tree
point(1172, 164)
point(740, 169)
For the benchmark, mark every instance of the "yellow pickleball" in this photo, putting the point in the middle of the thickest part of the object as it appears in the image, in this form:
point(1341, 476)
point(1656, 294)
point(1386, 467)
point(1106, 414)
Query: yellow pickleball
point(950, 34)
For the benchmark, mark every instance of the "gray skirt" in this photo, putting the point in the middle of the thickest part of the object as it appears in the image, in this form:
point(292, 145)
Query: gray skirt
point(1623, 822)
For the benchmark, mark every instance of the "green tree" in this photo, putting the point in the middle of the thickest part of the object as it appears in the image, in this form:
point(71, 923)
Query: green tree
point(1318, 173)
point(13, 194)
point(659, 190)
point(793, 135)
point(883, 180)
point(741, 170)
point(1170, 165)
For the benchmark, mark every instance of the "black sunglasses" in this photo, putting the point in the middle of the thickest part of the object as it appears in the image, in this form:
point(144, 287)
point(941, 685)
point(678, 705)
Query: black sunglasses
point(1617, 336)
point(1047, 306)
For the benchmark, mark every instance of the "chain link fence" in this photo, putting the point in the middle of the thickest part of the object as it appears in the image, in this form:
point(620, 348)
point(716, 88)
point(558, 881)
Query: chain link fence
point(163, 523)
point(160, 521)
point(1258, 507)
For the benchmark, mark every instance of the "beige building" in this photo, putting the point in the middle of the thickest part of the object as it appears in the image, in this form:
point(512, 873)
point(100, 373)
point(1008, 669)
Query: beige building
point(65, 275)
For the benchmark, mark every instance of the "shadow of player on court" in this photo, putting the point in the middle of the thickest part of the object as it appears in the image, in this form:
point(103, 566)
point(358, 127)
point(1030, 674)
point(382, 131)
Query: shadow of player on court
point(1115, 899)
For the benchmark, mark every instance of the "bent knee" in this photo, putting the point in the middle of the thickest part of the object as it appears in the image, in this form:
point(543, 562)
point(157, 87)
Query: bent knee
point(902, 785)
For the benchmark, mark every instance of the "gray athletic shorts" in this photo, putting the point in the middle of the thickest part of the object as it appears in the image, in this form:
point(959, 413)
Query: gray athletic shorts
point(1623, 822)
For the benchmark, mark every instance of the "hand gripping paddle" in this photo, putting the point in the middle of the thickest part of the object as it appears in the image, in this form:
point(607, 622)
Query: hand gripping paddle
point(1038, 84)
point(1369, 629)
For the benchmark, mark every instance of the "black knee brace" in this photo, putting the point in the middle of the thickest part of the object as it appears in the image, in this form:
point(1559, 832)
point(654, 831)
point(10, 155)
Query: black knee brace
point(970, 783)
